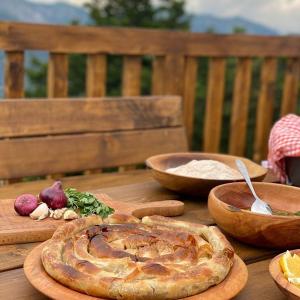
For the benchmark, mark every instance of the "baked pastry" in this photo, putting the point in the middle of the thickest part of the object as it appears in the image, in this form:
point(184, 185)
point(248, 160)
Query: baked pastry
point(123, 257)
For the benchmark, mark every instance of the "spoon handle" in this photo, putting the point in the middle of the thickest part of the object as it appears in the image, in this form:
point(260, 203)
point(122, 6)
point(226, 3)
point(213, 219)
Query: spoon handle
point(243, 170)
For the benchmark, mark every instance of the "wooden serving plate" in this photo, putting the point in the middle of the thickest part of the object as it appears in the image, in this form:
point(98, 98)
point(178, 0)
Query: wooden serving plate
point(37, 276)
point(196, 186)
point(288, 289)
point(16, 229)
point(227, 202)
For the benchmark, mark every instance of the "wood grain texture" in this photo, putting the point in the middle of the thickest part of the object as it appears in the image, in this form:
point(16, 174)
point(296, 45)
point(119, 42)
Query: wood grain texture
point(20, 36)
point(260, 284)
point(174, 74)
point(77, 152)
point(158, 71)
point(239, 114)
point(189, 95)
point(63, 116)
point(57, 75)
point(214, 105)
point(265, 107)
point(12, 256)
point(290, 86)
point(96, 69)
point(131, 79)
point(14, 74)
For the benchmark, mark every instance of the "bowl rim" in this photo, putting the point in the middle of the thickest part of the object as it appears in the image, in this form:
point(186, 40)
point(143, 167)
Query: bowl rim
point(150, 165)
point(213, 190)
point(279, 278)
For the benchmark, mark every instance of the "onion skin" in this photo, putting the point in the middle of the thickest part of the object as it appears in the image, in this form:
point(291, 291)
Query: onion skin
point(54, 196)
point(25, 204)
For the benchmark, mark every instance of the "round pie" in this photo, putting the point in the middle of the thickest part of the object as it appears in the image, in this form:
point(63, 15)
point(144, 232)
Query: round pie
point(123, 257)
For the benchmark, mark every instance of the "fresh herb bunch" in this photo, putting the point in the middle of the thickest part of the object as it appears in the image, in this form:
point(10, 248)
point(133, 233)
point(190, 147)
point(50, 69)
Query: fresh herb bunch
point(86, 203)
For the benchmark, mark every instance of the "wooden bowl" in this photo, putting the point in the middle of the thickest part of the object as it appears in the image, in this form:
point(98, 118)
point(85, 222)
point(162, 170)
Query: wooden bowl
point(226, 204)
point(37, 276)
point(196, 186)
point(288, 289)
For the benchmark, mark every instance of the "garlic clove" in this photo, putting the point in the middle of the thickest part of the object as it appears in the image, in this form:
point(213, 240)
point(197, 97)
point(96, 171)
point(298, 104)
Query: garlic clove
point(41, 212)
point(70, 215)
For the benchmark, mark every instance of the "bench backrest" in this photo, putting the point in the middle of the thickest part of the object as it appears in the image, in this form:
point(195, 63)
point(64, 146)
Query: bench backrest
point(41, 137)
point(174, 71)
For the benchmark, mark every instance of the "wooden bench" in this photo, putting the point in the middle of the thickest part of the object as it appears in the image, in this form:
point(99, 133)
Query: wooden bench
point(175, 70)
point(42, 137)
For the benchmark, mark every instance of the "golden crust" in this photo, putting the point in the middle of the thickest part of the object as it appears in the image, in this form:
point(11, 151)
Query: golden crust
point(125, 258)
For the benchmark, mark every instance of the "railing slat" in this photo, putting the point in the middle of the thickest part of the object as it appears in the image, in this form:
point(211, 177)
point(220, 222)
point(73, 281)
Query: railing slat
point(96, 75)
point(14, 74)
point(189, 94)
point(131, 83)
point(265, 108)
point(58, 75)
point(239, 115)
point(173, 74)
point(214, 104)
point(291, 86)
point(158, 69)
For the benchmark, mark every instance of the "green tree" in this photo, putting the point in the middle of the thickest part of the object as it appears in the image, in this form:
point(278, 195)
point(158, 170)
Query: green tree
point(169, 14)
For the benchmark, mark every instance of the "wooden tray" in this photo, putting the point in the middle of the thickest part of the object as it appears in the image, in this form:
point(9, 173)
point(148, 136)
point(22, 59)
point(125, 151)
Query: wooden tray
point(15, 229)
point(288, 289)
point(35, 273)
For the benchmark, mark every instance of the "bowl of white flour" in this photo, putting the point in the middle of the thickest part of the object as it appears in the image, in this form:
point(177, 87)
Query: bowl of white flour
point(196, 173)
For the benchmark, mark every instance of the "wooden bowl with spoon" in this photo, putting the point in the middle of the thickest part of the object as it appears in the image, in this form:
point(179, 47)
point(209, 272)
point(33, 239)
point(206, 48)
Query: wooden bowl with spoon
point(191, 185)
point(229, 204)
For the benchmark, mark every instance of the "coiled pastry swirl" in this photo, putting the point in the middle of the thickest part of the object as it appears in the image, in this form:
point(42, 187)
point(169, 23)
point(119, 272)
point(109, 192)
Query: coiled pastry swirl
point(123, 257)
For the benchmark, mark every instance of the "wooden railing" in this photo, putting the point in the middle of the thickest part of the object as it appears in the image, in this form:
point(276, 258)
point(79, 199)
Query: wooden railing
point(174, 71)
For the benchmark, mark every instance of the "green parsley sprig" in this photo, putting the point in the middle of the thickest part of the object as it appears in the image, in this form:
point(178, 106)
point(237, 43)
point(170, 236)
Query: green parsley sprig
point(86, 203)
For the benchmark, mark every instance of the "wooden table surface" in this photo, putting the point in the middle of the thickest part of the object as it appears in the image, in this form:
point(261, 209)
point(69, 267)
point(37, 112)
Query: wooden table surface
point(136, 186)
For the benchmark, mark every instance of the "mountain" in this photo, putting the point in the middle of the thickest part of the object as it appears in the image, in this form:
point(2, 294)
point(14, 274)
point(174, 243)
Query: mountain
point(33, 12)
point(205, 22)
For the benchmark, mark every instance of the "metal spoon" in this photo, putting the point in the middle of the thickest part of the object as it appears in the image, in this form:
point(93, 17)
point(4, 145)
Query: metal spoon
point(259, 206)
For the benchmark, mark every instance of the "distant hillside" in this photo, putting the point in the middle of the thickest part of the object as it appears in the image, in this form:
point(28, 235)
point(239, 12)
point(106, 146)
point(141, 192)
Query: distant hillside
point(56, 13)
point(203, 23)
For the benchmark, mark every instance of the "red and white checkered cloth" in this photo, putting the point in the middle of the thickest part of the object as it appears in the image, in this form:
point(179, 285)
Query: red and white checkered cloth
point(284, 141)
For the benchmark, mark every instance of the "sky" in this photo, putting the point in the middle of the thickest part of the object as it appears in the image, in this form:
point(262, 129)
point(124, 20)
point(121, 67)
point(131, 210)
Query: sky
point(282, 15)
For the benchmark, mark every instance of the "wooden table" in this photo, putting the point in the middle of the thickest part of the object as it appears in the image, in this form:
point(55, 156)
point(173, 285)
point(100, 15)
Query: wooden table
point(132, 186)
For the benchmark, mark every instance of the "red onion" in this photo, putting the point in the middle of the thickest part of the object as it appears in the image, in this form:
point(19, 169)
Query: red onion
point(26, 204)
point(54, 196)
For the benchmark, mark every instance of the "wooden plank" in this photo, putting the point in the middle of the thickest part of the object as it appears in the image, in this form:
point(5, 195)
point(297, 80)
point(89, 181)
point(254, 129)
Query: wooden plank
point(14, 74)
point(174, 74)
point(40, 117)
point(96, 75)
point(64, 39)
point(58, 75)
point(260, 284)
point(77, 152)
point(239, 115)
point(82, 183)
point(290, 86)
point(264, 113)
point(158, 69)
point(131, 80)
point(214, 104)
point(189, 95)
point(12, 256)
